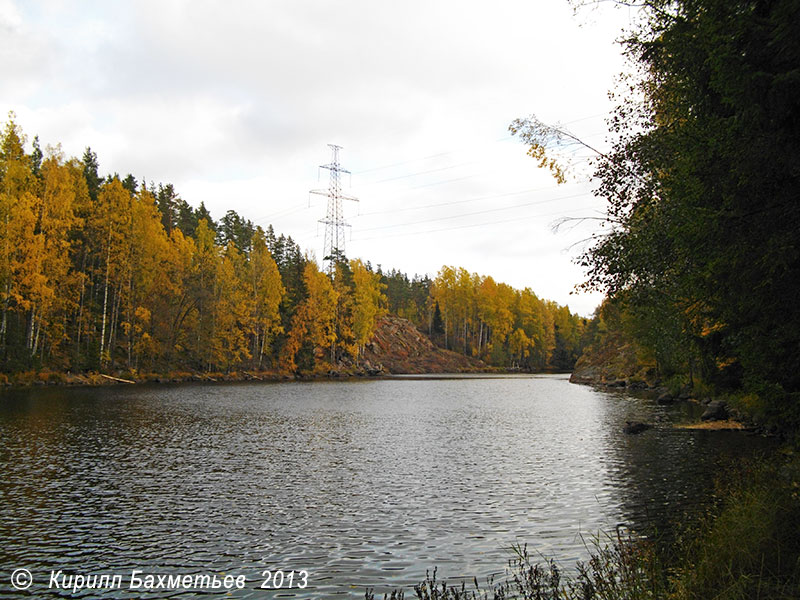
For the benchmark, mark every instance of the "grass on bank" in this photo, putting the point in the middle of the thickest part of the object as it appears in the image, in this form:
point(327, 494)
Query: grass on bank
point(745, 546)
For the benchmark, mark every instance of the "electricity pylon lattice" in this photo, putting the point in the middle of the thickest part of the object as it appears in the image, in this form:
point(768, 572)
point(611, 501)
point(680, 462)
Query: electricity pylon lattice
point(334, 221)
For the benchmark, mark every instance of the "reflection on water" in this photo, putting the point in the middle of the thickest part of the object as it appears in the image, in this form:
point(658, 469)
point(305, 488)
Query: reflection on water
point(363, 483)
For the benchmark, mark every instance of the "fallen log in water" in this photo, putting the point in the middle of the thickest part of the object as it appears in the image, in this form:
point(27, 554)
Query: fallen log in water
point(117, 379)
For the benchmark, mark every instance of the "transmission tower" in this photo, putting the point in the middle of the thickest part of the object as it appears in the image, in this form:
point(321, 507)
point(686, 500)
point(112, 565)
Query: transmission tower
point(334, 221)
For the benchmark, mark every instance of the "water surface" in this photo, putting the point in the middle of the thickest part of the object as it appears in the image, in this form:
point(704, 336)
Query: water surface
point(360, 483)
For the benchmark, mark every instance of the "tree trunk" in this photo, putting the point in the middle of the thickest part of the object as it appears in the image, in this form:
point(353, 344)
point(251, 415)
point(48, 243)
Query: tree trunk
point(4, 325)
point(131, 316)
point(80, 317)
point(31, 327)
point(112, 329)
point(105, 299)
point(261, 349)
point(36, 337)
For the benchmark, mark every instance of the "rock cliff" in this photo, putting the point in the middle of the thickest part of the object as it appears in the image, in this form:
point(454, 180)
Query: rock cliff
point(400, 348)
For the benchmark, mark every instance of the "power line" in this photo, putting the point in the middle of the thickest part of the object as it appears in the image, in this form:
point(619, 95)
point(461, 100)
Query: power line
point(448, 152)
point(457, 227)
point(335, 223)
point(446, 181)
point(281, 213)
point(479, 212)
point(405, 162)
point(452, 202)
point(572, 152)
point(420, 173)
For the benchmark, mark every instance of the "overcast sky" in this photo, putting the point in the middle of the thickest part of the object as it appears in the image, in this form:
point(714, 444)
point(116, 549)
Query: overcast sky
point(234, 103)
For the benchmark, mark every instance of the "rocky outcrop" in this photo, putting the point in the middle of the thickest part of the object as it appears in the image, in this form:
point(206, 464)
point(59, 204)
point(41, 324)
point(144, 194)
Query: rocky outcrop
point(399, 347)
point(613, 362)
point(635, 428)
point(585, 372)
point(665, 398)
point(716, 410)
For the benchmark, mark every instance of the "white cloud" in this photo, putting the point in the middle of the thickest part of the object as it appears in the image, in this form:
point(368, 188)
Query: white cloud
point(234, 104)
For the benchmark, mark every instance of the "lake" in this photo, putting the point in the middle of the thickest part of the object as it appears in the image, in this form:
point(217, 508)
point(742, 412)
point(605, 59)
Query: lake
point(362, 483)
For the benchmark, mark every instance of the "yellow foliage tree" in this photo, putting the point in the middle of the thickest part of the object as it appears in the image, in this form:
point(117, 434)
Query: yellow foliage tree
point(369, 303)
point(519, 345)
point(267, 291)
point(113, 224)
point(149, 280)
point(204, 274)
point(231, 311)
point(57, 295)
point(314, 321)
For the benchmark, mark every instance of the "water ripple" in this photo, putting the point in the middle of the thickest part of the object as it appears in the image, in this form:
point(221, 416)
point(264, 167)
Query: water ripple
point(364, 483)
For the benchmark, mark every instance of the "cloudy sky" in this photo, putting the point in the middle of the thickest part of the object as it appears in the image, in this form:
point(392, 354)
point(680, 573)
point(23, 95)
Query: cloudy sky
point(235, 103)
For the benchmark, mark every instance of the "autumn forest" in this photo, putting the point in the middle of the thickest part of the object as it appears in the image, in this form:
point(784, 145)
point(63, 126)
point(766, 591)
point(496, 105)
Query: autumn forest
point(103, 273)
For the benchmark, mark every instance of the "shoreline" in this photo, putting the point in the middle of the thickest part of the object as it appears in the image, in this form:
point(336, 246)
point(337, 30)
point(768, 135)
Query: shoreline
point(31, 379)
point(52, 379)
point(718, 414)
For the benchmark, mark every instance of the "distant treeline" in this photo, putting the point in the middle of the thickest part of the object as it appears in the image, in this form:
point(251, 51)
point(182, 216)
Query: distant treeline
point(106, 273)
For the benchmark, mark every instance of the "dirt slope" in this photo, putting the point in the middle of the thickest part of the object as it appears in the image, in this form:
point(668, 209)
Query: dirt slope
point(400, 348)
